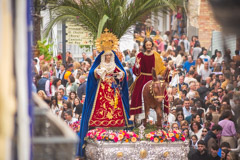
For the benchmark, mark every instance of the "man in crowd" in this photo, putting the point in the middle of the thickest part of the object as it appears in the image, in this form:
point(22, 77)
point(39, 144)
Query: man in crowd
point(205, 57)
point(69, 117)
point(214, 153)
point(211, 137)
point(201, 153)
point(206, 71)
point(44, 84)
point(181, 83)
point(82, 87)
point(186, 108)
point(190, 78)
point(188, 63)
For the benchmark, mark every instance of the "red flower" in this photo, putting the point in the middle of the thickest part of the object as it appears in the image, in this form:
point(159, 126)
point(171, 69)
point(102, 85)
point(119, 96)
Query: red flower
point(115, 139)
point(172, 139)
point(127, 136)
point(183, 138)
point(174, 132)
point(134, 135)
point(151, 138)
point(99, 137)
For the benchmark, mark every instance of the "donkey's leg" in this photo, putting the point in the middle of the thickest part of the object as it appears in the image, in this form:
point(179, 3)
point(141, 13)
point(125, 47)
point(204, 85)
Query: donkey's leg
point(159, 117)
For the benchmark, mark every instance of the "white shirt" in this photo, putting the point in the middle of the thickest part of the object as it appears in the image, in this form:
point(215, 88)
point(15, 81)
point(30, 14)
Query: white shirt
point(189, 79)
point(198, 134)
point(199, 68)
point(186, 113)
point(218, 59)
point(171, 118)
point(72, 121)
point(205, 73)
point(205, 58)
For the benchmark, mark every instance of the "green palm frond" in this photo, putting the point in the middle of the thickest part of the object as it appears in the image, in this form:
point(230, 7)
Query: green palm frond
point(116, 15)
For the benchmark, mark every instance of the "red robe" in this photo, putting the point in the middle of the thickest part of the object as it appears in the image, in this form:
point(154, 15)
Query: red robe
point(144, 74)
point(105, 113)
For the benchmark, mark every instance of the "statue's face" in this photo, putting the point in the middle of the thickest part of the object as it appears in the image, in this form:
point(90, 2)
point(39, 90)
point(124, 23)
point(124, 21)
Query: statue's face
point(108, 57)
point(148, 45)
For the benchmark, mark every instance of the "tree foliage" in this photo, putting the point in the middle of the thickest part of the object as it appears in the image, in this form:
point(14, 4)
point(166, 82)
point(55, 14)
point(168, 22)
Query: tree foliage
point(116, 15)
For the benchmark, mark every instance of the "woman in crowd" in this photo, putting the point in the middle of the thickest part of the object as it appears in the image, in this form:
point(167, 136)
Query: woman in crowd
point(179, 118)
point(196, 129)
point(229, 131)
point(59, 99)
point(54, 105)
point(77, 108)
point(71, 97)
point(71, 85)
point(57, 83)
point(199, 65)
point(66, 106)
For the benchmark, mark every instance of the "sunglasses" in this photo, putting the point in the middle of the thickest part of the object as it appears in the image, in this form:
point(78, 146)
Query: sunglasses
point(204, 131)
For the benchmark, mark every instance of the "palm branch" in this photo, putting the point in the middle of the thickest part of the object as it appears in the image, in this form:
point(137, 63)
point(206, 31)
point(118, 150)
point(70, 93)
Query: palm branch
point(116, 15)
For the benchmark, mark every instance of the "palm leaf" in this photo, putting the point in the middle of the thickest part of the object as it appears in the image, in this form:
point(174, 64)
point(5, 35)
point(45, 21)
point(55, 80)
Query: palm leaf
point(116, 15)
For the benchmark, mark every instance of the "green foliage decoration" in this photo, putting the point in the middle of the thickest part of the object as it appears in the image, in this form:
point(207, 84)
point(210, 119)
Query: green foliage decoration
point(45, 49)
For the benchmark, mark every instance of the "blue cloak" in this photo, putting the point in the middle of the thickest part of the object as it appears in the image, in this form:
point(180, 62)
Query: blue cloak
point(91, 90)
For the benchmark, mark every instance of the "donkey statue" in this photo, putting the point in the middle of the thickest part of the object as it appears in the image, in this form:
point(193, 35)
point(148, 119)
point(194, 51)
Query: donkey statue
point(153, 95)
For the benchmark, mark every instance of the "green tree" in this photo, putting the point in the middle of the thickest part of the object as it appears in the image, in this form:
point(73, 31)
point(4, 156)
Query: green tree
point(116, 15)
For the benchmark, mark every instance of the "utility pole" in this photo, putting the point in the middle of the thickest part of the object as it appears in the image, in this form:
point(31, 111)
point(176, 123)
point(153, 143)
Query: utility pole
point(64, 42)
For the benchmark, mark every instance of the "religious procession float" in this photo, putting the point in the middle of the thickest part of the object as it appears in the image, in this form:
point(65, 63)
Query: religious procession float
point(107, 125)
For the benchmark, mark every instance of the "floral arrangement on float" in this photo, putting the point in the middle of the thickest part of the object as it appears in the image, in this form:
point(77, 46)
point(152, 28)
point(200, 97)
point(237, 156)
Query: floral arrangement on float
point(101, 134)
point(122, 136)
point(165, 136)
point(75, 126)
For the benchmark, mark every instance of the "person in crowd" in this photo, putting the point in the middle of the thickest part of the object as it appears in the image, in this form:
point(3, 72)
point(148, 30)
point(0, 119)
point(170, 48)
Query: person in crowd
point(181, 83)
point(193, 112)
point(54, 104)
point(68, 116)
point(192, 93)
point(62, 92)
point(61, 72)
point(66, 106)
point(194, 142)
point(175, 126)
point(219, 57)
point(172, 115)
point(190, 77)
point(205, 71)
point(44, 84)
point(214, 153)
point(57, 83)
point(71, 86)
point(211, 137)
point(179, 118)
point(204, 133)
point(205, 57)
point(184, 124)
point(82, 87)
point(196, 129)
point(201, 153)
point(188, 64)
point(71, 97)
point(199, 65)
point(196, 51)
point(236, 58)
point(186, 43)
point(77, 108)
point(186, 108)
point(228, 129)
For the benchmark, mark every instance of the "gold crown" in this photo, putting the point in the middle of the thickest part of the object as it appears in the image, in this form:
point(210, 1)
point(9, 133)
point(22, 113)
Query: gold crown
point(107, 42)
point(148, 32)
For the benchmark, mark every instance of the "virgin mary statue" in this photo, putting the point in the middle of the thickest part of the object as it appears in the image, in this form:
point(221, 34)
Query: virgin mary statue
point(107, 100)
